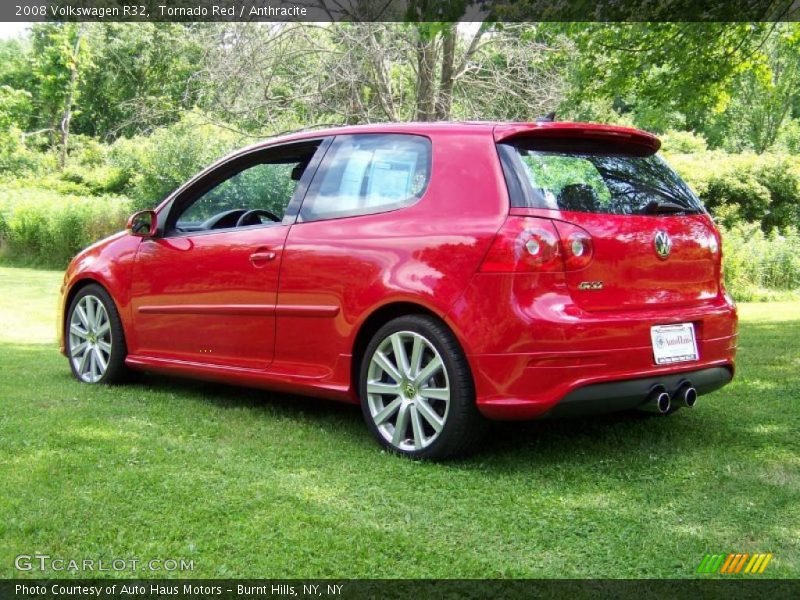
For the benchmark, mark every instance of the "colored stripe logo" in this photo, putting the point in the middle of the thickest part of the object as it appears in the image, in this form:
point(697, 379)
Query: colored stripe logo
point(734, 562)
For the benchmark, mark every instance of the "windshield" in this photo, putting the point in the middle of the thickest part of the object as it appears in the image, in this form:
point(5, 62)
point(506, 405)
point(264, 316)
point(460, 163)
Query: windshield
point(593, 182)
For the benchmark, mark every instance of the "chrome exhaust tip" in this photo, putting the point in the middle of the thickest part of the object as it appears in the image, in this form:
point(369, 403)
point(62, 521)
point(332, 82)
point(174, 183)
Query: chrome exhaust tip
point(686, 396)
point(658, 401)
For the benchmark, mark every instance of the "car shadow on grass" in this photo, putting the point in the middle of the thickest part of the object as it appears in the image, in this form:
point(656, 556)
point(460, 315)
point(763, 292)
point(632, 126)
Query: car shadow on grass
point(569, 440)
point(512, 445)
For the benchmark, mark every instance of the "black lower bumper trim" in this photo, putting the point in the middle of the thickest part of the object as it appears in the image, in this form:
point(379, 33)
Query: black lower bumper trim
point(630, 393)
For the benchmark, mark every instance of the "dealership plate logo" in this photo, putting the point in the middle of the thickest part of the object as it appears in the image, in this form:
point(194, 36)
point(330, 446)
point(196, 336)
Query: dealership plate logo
point(663, 244)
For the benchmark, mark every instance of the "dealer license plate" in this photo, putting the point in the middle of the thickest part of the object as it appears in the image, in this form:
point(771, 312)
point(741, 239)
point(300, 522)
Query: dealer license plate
point(673, 343)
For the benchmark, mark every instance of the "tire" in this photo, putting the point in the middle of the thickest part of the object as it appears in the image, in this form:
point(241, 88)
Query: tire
point(94, 339)
point(435, 398)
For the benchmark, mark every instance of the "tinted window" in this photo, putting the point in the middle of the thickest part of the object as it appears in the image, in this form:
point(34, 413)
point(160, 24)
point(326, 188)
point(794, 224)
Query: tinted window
point(592, 182)
point(368, 173)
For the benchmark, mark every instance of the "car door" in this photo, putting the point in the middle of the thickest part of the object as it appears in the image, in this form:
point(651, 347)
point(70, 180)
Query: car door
point(350, 233)
point(205, 289)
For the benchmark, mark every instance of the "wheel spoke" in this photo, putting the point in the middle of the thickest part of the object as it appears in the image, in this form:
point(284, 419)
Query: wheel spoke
point(75, 330)
point(90, 308)
point(84, 319)
point(76, 350)
point(430, 416)
point(104, 346)
point(100, 361)
point(103, 329)
point(387, 366)
point(93, 365)
point(375, 387)
point(435, 393)
point(426, 373)
point(416, 427)
point(99, 316)
point(387, 411)
point(82, 366)
point(400, 425)
point(400, 357)
point(416, 356)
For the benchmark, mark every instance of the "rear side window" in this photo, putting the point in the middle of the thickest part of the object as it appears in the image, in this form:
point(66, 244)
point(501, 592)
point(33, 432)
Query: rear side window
point(594, 182)
point(368, 173)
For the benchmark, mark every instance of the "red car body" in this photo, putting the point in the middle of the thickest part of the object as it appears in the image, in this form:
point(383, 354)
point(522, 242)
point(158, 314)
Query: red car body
point(292, 307)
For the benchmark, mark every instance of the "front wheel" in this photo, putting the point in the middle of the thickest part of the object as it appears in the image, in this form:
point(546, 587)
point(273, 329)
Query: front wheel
point(416, 390)
point(95, 342)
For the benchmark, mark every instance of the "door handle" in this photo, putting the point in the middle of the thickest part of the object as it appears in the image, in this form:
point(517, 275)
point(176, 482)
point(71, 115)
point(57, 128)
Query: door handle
point(260, 257)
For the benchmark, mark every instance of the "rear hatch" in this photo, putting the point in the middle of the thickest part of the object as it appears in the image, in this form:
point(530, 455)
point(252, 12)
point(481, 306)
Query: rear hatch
point(631, 232)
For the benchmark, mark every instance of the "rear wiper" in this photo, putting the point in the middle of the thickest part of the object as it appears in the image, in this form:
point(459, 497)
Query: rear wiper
point(661, 207)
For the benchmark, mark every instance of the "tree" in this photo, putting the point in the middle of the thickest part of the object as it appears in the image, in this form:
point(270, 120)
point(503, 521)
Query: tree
point(364, 72)
point(141, 77)
point(73, 65)
point(668, 75)
point(60, 54)
point(763, 92)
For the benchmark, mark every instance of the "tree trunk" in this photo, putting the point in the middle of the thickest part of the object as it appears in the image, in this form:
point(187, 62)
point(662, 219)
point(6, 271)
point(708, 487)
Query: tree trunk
point(445, 101)
point(426, 73)
point(383, 76)
point(70, 100)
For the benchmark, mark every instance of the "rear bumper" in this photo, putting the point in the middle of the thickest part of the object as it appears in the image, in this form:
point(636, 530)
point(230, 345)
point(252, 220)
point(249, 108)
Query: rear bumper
point(616, 383)
point(628, 394)
point(546, 350)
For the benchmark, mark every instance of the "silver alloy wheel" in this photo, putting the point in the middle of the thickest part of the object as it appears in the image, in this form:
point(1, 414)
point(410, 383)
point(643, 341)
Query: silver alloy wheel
point(408, 391)
point(90, 339)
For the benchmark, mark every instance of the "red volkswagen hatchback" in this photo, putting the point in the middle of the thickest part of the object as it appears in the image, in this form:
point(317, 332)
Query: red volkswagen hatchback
point(435, 273)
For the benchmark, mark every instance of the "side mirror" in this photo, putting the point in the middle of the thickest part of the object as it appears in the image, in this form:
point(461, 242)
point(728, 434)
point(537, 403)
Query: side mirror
point(143, 224)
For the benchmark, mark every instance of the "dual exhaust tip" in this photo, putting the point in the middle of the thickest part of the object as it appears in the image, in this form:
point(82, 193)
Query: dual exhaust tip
point(659, 401)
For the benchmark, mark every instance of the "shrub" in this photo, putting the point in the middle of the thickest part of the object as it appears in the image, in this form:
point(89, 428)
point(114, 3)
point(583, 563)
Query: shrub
point(599, 110)
point(15, 106)
point(97, 180)
point(780, 174)
point(683, 142)
point(741, 190)
point(789, 137)
point(757, 264)
point(17, 160)
point(745, 187)
point(47, 228)
point(87, 151)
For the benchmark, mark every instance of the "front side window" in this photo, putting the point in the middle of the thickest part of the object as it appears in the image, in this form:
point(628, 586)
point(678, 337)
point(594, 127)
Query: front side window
point(368, 173)
point(595, 182)
point(268, 187)
point(253, 191)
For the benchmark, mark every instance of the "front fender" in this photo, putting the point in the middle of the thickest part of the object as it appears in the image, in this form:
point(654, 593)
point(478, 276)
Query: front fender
point(109, 263)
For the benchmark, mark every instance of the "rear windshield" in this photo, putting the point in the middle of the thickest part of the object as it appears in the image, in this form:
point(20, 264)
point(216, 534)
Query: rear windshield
point(594, 182)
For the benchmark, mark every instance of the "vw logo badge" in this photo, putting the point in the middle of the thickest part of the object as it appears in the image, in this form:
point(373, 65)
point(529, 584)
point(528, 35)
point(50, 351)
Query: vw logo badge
point(662, 244)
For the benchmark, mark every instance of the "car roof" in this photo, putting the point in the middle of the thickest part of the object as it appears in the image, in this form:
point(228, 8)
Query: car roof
point(499, 129)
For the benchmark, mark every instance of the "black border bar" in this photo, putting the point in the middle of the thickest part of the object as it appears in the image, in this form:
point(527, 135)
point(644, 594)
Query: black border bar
point(352, 589)
point(399, 10)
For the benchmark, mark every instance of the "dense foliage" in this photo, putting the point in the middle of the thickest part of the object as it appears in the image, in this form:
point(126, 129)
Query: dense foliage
point(47, 228)
point(733, 83)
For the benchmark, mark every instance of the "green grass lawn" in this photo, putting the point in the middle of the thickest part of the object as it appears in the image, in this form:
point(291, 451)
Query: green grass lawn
point(248, 483)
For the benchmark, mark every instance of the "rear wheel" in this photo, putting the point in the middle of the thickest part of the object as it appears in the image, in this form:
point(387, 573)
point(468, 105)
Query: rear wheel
point(95, 342)
point(416, 390)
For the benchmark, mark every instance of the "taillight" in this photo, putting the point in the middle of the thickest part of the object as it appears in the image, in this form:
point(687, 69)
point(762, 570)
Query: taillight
point(524, 244)
point(533, 244)
point(576, 244)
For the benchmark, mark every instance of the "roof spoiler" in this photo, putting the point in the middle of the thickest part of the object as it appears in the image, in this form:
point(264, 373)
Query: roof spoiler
point(638, 141)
